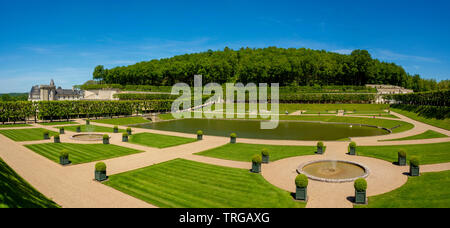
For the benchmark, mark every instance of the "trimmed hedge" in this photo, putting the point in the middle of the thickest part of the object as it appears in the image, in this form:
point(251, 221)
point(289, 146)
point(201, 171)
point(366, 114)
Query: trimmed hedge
point(265, 152)
point(402, 153)
point(124, 134)
point(414, 161)
point(233, 135)
point(360, 185)
point(352, 145)
point(320, 144)
point(257, 159)
point(64, 153)
point(301, 181)
point(100, 167)
point(427, 111)
point(199, 132)
point(105, 136)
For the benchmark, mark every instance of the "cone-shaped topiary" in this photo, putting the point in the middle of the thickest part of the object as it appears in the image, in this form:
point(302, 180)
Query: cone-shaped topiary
point(257, 159)
point(100, 167)
point(414, 161)
point(64, 153)
point(301, 181)
point(402, 153)
point(265, 152)
point(360, 185)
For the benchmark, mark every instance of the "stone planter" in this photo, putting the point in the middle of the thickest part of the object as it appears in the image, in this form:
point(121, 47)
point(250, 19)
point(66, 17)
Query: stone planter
point(78, 129)
point(265, 159)
point(319, 150)
point(116, 130)
point(46, 136)
point(301, 193)
point(232, 140)
point(256, 167)
point(64, 161)
point(199, 137)
point(129, 132)
point(352, 151)
point(100, 175)
point(401, 161)
point(106, 141)
point(124, 138)
point(414, 171)
point(56, 140)
point(360, 197)
point(61, 131)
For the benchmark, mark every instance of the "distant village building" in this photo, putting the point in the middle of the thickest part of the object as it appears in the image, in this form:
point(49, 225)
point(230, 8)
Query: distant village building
point(387, 90)
point(51, 93)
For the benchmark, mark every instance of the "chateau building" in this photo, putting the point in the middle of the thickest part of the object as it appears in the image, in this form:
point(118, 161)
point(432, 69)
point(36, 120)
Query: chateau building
point(51, 93)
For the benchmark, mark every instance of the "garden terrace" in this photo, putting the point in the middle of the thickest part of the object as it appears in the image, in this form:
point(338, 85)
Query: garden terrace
point(430, 134)
point(187, 184)
point(81, 153)
point(29, 134)
point(159, 141)
point(440, 123)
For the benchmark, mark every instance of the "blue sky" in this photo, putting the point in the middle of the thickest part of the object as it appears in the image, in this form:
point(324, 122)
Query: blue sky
point(65, 40)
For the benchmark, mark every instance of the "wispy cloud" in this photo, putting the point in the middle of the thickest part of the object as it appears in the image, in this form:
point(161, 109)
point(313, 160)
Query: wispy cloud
point(390, 55)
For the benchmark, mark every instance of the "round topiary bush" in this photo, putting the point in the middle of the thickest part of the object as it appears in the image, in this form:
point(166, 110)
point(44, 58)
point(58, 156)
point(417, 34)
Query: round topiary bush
point(129, 129)
point(56, 136)
point(414, 161)
point(199, 132)
point(233, 135)
point(116, 128)
point(352, 145)
point(257, 159)
point(105, 136)
point(46, 132)
point(320, 144)
point(301, 181)
point(61, 128)
point(402, 153)
point(100, 167)
point(124, 134)
point(64, 153)
point(360, 185)
point(265, 152)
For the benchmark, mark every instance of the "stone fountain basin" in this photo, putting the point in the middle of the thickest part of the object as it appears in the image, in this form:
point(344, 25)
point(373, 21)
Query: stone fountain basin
point(333, 171)
point(87, 137)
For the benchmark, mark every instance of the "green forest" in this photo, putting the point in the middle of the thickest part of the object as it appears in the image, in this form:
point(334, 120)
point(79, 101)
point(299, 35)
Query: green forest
point(289, 67)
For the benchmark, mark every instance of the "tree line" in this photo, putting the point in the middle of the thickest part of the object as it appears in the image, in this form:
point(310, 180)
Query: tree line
point(289, 67)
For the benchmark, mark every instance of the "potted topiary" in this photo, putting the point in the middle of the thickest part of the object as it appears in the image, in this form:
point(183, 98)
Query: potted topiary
point(401, 157)
point(256, 163)
point(352, 148)
point(64, 157)
point(46, 134)
point(233, 138)
point(116, 129)
point(105, 139)
point(100, 171)
point(360, 191)
point(320, 148)
point(129, 130)
point(301, 190)
point(414, 169)
point(265, 156)
point(199, 135)
point(125, 137)
point(88, 122)
point(56, 138)
point(61, 130)
point(78, 129)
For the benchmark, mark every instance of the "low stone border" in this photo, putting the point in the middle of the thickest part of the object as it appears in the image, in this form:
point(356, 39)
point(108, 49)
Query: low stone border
point(300, 171)
point(74, 137)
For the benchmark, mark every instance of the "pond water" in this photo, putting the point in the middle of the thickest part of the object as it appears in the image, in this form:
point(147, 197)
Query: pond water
point(288, 130)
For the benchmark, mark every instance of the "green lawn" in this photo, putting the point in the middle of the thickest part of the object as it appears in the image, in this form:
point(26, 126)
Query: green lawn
point(58, 123)
point(404, 126)
point(323, 108)
point(426, 135)
point(245, 152)
point(377, 115)
point(91, 128)
point(159, 141)
point(14, 125)
point(15, 192)
point(427, 153)
point(81, 153)
point(430, 190)
point(187, 184)
point(444, 124)
point(123, 121)
point(30, 134)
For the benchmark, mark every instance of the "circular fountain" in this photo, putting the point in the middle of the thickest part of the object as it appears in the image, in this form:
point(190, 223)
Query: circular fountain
point(88, 137)
point(333, 171)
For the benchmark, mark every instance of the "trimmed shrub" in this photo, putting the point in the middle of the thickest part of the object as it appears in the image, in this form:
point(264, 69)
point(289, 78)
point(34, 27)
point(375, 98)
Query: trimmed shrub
point(64, 153)
point(265, 152)
point(402, 153)
point(301, 181)
point(257, 159)
point(320, 144)
point(124, 134)
point(414, 161)
point(116, 129)
point(352, 145)
point(199, 132)
point(88, 122)
point(100, 167)
point(360, 185)
point(46, 132)
point(57, 136)
point(105, 136)
point(233, 135)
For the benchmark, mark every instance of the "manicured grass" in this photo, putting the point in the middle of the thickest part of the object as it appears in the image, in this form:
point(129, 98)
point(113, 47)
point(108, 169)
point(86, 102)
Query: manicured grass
point(81, 153)
point(323, 108)
point(30, 134)
point(404, 126)
point(14, 125)
point(187, 184)
point(427, 153)
point(444, 124)
point(91, 128)
point(123, 121)
point(15, 192)
point(426, 135)
point(159, 141)
point(376, 115)
point(430, 190)
point(58, 123)
point(245, 152)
